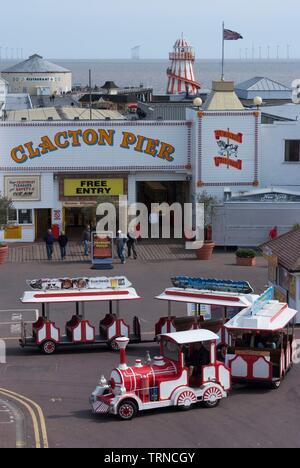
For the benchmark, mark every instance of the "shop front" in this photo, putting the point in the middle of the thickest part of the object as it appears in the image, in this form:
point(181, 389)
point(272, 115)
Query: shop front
point(81, 194)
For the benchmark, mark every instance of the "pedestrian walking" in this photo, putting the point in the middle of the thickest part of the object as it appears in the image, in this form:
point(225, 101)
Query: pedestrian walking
point(131, 244)
point(121, 242)
point(63, 242)
point(87, 240)
point(49, 240)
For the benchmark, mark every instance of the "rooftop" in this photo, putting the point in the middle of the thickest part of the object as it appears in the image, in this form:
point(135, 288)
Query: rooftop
point(269, 90)
point(223, 97)
point(288, 111)
point(20, 101)
point(36, 64)
point(63, 113)
point(287, 249)
point(260, 83)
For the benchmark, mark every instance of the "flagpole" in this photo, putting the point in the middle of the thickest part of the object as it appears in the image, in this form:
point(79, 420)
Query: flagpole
point(223, 51)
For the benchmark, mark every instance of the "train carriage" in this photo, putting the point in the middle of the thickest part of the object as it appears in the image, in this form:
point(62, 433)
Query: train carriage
point(262, 341)
point(79, 331)
point(208, 304)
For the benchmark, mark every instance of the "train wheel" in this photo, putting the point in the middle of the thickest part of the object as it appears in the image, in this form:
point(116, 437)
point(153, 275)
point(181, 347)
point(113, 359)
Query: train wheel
point(48, 347)
point(186, 400)
point(127, 410)
point(212, 397)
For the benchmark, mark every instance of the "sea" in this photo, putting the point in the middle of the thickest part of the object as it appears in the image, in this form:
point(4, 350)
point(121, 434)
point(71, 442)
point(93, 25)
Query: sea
point(152, 73)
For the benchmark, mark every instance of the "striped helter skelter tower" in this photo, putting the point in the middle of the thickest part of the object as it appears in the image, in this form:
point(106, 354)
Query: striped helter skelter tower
point(181, 78)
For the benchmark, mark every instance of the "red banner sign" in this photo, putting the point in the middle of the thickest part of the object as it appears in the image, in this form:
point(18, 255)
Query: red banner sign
point(236, 164)
point(238, 137)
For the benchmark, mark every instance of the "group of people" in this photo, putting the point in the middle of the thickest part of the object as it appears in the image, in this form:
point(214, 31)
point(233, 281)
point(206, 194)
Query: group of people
point(123, 241)
point(129, 241)
point(62, 241)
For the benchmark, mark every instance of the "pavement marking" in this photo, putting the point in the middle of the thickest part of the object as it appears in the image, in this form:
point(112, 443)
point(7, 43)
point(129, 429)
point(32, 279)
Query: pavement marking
point(37, 422)
point(17, 417)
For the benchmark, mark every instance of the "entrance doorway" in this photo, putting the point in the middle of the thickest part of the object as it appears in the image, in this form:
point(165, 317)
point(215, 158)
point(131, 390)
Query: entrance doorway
point(77, 218)
point(169, 192)
point(42, 223)
point(163, 192)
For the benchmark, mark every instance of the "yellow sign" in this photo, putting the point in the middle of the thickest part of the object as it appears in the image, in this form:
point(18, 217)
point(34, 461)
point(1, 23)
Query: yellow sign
point(13, 233)
point(93, 187)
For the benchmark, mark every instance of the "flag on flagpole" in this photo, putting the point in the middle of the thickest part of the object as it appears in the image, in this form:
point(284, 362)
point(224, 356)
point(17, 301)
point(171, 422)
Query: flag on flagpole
point(231, 35)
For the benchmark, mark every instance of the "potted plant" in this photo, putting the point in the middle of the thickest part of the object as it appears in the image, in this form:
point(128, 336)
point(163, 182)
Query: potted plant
point(245, 257)
point(3, 252)
point(209, 202)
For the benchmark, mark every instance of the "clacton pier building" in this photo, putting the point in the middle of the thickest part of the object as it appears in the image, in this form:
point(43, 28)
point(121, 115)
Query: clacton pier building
point(57, 162)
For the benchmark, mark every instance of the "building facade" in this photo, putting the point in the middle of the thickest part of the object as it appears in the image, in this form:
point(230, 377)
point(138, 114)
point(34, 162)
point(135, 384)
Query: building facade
point(38, 77)
point(56, 173)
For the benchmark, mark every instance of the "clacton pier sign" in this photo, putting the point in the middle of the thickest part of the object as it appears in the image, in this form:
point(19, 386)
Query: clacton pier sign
point(67, 139)
point(90, 146)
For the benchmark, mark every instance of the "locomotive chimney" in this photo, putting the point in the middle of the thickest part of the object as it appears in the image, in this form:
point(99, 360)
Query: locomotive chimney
point(122, 343)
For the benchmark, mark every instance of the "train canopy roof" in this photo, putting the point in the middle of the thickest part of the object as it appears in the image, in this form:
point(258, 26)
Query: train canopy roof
point(192, 336)
point(84, 295)
point(273, 316)
point(208, 297)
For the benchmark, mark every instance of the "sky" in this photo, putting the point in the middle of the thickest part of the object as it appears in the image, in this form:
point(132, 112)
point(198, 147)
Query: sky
point(108, 29)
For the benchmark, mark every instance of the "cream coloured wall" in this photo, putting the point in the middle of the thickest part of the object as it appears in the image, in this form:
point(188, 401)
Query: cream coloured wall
point(53, 83)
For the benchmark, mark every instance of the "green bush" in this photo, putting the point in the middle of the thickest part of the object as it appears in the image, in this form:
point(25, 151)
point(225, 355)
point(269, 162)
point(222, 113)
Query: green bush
point(245, 253)
point(5, 206)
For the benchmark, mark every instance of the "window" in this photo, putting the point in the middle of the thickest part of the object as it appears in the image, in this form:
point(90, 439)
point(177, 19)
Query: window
point(12, 217)
point(171, 350)
point(19, 216)
point(284, 278)
point(292, 151)
point(25, 216)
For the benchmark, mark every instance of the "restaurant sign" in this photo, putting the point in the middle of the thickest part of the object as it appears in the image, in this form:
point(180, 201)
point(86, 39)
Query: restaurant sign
point(22, 188)
point(93, 187)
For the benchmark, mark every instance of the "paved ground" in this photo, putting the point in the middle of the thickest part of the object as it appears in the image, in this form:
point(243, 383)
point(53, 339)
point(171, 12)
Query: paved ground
point(61, 384)
point(27, 253)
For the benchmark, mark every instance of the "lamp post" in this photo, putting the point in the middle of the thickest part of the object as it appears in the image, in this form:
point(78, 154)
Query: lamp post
point(258, 101)
point(198, 103)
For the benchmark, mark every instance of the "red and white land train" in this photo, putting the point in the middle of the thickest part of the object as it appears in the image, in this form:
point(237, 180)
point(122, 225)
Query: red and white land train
point(48, 336)
point(167, 381)
point(262, 343)
point(181, 78)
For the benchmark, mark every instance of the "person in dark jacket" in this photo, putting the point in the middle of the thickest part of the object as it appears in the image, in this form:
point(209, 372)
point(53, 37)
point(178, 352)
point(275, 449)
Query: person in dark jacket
point(49, 240)
point(63, 242)
point(131, 244)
